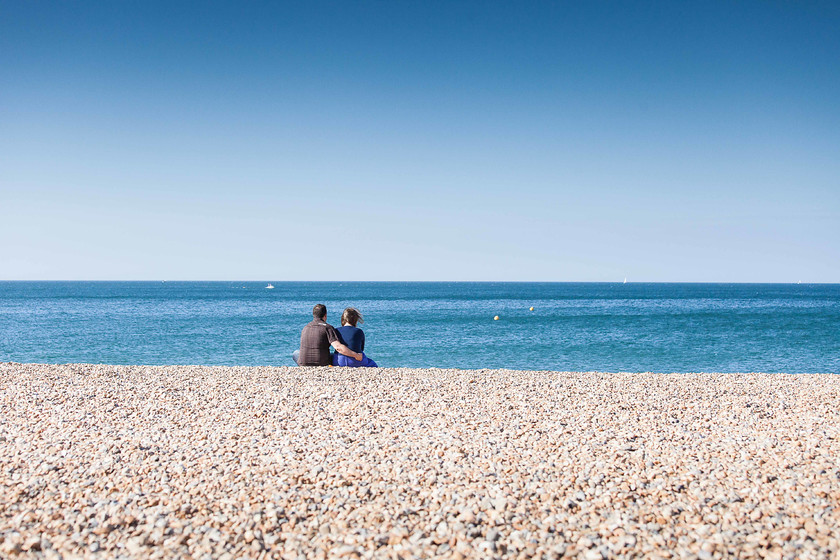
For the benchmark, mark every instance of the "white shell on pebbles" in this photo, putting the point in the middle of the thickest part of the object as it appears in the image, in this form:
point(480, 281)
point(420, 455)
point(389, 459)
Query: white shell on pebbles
point(188, 462)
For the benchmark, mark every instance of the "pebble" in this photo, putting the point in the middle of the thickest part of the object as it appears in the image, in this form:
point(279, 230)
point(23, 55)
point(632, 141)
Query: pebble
point(234, 462)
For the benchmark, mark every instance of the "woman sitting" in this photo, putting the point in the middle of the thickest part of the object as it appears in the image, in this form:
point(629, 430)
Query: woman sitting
point(354, 338)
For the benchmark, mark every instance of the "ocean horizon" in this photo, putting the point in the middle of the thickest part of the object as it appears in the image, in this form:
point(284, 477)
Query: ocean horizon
point(574, 326)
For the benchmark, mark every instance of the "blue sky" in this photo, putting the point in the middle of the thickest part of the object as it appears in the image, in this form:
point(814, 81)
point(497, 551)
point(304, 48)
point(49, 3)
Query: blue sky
point(563, 141)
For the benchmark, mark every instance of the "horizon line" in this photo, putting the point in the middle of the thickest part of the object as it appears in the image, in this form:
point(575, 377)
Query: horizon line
point(436, 281)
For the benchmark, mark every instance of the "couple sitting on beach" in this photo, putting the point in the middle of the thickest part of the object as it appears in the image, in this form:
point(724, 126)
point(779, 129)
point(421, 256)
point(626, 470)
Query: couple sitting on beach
point(348, 341)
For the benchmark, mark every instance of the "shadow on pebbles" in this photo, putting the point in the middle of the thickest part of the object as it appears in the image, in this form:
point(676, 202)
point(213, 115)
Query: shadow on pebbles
point(199, 462)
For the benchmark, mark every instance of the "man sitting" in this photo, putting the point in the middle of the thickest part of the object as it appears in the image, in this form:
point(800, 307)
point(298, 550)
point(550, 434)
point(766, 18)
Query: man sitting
point(316, 339)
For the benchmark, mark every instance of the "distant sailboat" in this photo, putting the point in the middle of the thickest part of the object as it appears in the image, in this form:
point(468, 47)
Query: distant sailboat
point(269, 287)
point(625, 280)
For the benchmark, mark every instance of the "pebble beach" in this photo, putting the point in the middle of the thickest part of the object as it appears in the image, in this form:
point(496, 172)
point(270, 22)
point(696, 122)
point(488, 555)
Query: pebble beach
point(185, 462)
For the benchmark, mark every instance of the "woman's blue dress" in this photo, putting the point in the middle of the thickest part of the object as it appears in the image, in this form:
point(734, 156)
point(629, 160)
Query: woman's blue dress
point(354, 339)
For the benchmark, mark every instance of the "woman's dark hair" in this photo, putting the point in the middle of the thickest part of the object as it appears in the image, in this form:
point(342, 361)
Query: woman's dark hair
point(351, 316)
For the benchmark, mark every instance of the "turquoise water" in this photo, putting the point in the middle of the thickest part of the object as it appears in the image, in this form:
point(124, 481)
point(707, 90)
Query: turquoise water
point(574, 326)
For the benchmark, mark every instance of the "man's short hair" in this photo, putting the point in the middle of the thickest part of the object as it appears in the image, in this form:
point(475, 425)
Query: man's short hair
point(319, 311)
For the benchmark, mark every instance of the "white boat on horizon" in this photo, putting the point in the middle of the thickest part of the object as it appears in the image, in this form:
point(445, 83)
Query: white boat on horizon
point(269, 287)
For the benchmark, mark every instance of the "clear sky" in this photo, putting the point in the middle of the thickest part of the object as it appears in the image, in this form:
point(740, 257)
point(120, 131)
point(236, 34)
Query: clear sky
point(558, 141)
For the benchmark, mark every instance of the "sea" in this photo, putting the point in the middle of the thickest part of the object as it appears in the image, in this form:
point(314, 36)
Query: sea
point(608, 327)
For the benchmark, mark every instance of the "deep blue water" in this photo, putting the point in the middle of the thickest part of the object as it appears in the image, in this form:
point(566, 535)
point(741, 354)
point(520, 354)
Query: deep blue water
point(574, 326)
